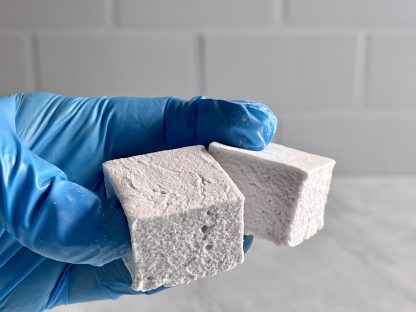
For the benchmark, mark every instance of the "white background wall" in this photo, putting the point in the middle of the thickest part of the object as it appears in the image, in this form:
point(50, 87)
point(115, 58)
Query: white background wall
point(340, 74)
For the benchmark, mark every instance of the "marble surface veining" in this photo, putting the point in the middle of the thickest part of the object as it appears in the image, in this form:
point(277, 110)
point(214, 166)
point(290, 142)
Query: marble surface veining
point(363, 260)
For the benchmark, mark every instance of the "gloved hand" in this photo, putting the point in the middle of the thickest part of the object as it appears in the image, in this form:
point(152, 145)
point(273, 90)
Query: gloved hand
point(60, 239)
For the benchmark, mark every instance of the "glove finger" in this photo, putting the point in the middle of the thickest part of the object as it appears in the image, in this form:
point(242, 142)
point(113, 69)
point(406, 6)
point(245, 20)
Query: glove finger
point(32, 291)
point(87, 283)
point(247, 242)
point(78, 134)
point(68, 131)
point(54, 217)
point(244, 124)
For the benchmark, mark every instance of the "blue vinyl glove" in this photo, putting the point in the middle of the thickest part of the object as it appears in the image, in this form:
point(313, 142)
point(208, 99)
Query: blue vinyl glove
point(60, 239)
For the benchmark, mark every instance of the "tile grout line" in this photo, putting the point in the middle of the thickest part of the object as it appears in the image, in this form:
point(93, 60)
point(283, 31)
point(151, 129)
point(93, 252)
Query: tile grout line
point(366, 71)
point(358, 98)
point(35, 72)
point(201, 70)
point(284, 15)
point(112, 18)
point(116, 13)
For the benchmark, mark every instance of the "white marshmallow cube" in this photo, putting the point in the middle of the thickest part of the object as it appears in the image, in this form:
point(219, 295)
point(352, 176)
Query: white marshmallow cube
point(285, 190)
point(185, 216)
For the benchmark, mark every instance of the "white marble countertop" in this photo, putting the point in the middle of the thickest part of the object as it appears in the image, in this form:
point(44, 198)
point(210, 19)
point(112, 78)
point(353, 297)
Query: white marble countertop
point(363, 260)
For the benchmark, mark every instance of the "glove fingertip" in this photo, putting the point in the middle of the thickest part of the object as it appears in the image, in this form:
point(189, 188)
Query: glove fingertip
point(240, 123)
point(248, 241)
point(263, 127)
point(156, 290)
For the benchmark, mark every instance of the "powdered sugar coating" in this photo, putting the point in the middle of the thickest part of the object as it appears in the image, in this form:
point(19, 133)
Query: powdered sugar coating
point(285, 190)
point(185, 216)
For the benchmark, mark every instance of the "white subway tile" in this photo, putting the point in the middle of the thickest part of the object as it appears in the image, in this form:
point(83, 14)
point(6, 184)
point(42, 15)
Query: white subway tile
point(283, 70)
point(392, 70)
point(361, 143)
point(15, 63)
point(151, 64)
point(383, 13)
point(28, 14)
point(194, 13)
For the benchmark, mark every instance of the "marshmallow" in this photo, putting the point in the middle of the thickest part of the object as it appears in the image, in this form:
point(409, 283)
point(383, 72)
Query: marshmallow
point(285, 190)
point(185, 216)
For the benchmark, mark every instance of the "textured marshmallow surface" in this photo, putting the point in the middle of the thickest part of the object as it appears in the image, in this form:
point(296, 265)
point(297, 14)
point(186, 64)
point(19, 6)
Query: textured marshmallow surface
point(185, 216)
point(285, 190)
